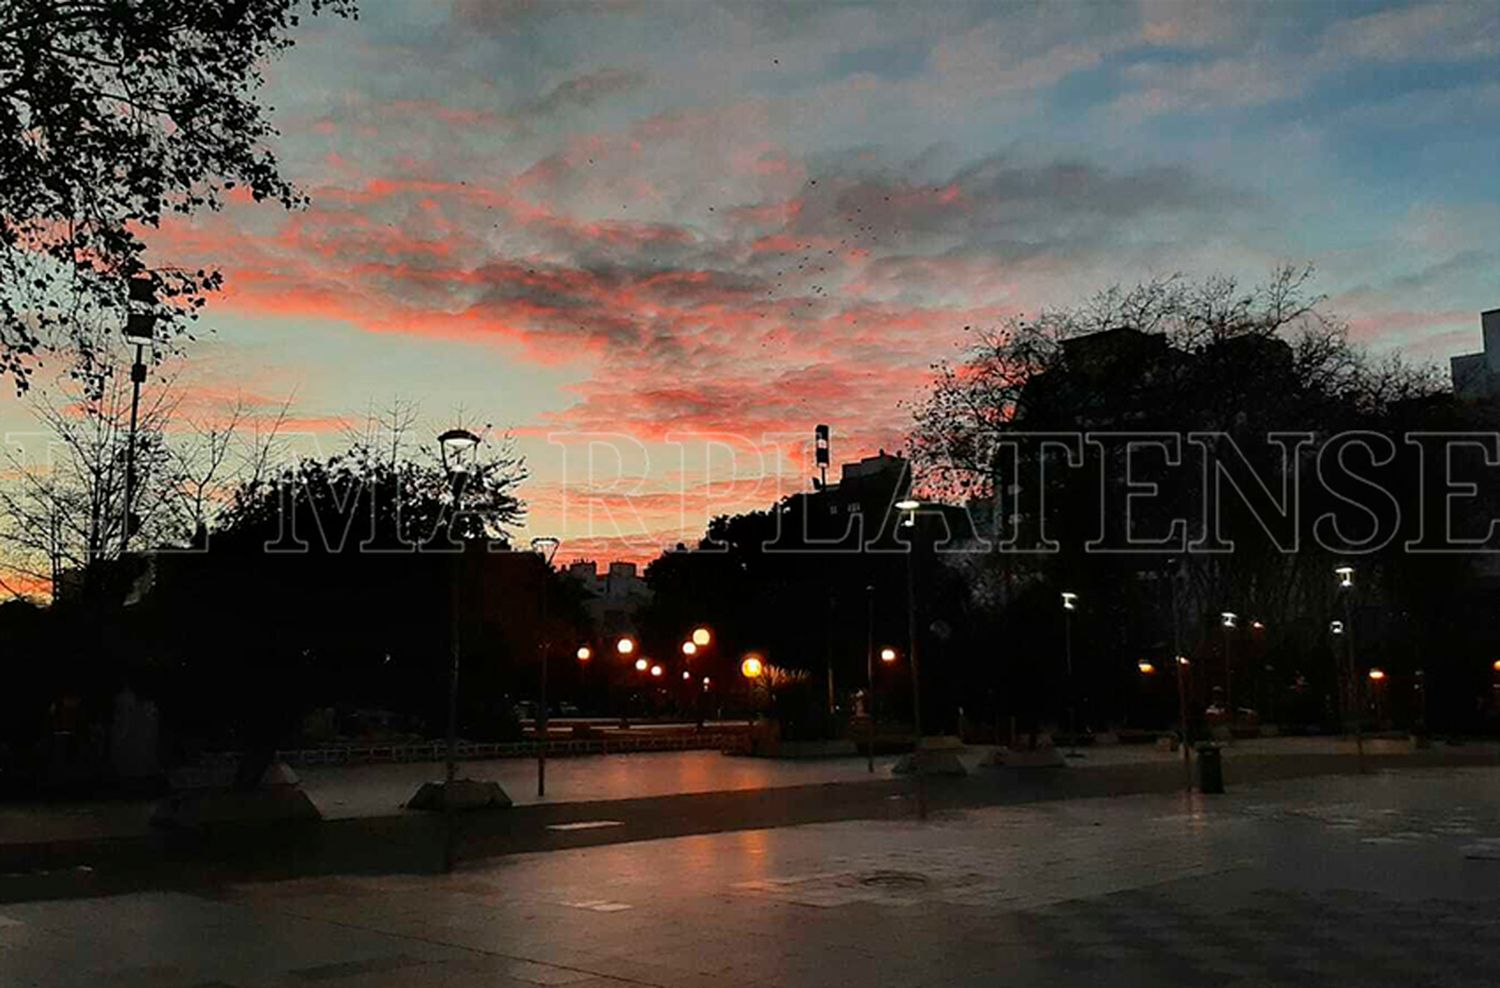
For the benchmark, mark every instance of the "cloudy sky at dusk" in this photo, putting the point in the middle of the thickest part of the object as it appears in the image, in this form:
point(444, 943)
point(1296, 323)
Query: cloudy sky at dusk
point(635, 222)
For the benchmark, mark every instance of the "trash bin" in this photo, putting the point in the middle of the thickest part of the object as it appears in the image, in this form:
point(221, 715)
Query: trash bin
point(1210, 769)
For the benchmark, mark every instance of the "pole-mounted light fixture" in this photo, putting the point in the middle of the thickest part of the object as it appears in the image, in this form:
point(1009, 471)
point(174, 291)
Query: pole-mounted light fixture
point(457, 447)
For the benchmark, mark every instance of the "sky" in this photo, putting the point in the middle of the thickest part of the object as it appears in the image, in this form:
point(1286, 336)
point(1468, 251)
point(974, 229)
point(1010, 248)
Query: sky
point(659, 242)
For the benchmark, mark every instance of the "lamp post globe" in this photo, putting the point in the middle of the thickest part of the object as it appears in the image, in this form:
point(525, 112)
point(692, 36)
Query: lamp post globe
point(457, 448)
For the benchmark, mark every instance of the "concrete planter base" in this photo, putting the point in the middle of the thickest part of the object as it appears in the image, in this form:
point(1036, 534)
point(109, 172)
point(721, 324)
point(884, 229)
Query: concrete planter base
point(218, 807)
point(461, 794)
point(930, 761)
point(1040, 758)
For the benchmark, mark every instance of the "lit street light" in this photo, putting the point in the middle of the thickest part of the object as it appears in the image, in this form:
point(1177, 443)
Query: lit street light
point(1377, 695)
point(1146, 668)
point(1229, 620)
point(702, 637)
point(752, 667)
point(887, 654)
point(584, 653)
point(1069, 605)
point(641, 665)
point(656, 671)
point(910, 507)
point(689, 648)
point(626, 645)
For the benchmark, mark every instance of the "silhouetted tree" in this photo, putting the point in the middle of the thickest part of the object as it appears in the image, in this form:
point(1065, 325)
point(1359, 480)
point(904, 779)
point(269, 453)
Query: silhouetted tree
point(330, 582)
point(1174, 357)
point(113, 114)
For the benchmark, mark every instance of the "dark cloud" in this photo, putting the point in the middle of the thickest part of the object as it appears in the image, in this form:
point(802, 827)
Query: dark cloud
point(999, 201)
point(583, 91)
point(515, 16)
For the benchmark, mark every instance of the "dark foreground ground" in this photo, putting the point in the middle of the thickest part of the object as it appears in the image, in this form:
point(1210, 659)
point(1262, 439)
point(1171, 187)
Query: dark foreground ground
point(1391, 878)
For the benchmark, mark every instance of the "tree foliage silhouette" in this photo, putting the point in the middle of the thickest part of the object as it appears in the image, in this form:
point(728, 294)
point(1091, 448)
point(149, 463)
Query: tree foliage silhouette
point(112, 116)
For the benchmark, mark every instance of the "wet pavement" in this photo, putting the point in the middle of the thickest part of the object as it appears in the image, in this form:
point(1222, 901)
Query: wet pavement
point(1385, 879)
point(352, 791)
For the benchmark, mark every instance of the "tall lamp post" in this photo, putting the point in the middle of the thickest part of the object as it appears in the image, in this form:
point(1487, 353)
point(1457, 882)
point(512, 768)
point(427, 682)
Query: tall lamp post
point(910, 507)
point(870, 674)
point(458, 448)
point(1181, 662)
point(1069, 605)
point(546, 547)
point(1228, 621)
point(140, 332)
point(696, 643)
point(1344, 574)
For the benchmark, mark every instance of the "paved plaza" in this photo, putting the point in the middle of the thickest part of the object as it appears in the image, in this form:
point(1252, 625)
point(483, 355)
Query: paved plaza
point(1386, 879)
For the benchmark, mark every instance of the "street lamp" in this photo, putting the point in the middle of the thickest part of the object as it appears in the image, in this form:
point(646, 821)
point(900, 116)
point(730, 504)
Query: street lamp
point(910, 507)
point(870, 673)
point(1069, 605)
point(1344, 574)
point(656, 672)
point(1228, 620)
point(752, 667)
point(584, 653)
point(140, 332)
point(702, 637)
point(458, 448)
point(546, 547)
point(641, 665)
point(689, 649)
point(887, 654)
point(1376, 675)
point(1146, 668)
point(625, 645)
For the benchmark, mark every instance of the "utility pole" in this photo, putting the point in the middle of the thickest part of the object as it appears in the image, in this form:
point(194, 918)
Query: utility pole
point(870, 677)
